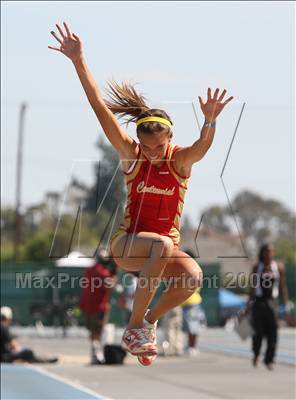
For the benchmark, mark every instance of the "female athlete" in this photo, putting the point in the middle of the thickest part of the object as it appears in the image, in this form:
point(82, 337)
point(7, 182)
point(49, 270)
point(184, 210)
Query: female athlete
point(157, 174)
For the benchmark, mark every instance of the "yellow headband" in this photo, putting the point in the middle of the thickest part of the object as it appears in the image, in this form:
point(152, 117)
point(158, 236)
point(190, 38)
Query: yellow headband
point(154, 119)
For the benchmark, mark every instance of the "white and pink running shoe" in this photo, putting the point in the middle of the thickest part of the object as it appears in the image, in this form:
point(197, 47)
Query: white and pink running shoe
point(137, 341)
point(147, 360)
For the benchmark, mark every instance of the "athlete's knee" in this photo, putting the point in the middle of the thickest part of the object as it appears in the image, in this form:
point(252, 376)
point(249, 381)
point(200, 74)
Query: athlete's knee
point(198, 275)
point(194, 276)
point(163, 246)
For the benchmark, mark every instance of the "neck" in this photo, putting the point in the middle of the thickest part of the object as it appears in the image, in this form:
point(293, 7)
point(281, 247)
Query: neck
point(267, 263)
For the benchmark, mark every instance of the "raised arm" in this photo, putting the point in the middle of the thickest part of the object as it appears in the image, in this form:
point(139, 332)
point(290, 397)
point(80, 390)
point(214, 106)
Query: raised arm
point(71, 47)
point(187, 156)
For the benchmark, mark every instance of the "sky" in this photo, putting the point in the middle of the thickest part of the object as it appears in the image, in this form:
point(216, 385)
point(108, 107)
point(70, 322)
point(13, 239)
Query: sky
point(174, 50)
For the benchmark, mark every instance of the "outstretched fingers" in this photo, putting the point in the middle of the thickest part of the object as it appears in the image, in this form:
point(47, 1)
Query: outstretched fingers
point(54, 48)
point(209, 94)
point(56, 37)
point(227, 100)
point(67, 29)
point(215, 97)
point(200, 101)
point(76, 37)
point(61, 31)
point(222, 95)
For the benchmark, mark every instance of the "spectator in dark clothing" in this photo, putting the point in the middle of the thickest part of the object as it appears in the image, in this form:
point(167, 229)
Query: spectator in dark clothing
point(268, 282)
point(10, 350)
point(99, 282)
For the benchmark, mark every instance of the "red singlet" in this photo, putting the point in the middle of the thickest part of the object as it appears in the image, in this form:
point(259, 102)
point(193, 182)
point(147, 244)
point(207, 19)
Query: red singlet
point(155, 197)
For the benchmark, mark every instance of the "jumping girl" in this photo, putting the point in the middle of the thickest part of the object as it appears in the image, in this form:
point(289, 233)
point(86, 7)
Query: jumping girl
point(157, 174)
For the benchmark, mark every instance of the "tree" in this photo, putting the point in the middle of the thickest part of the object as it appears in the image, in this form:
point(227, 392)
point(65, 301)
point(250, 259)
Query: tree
point(108, 192)
point(216, 218)
point(286, 251)
point(7, 223)
point(263, 219)
point(37, 248)
point(259, 219)
point(73, 233)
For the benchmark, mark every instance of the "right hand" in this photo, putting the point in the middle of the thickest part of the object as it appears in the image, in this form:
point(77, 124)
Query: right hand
point(70, 44)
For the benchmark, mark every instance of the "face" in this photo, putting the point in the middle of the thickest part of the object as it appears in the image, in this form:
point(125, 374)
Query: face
point(154, 146)
point(269, 254)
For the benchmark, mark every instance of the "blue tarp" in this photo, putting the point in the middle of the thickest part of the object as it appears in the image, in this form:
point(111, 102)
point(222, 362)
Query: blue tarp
point(228, 299)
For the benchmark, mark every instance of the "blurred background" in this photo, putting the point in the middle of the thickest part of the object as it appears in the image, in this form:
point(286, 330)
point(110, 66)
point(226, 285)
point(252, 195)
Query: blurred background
point(57, 165)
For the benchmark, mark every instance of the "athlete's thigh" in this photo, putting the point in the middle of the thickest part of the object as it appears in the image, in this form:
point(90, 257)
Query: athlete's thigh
point(184, 268)
point(131, 250)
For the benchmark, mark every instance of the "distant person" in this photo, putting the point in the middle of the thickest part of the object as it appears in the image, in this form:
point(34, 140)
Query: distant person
point(193, 319)
point(172, 327)
point(10, 349)
point(267, 282)
point(95, 302)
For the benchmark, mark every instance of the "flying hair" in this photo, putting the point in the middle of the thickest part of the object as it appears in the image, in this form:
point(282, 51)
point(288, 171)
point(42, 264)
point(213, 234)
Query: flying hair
point(124, 100)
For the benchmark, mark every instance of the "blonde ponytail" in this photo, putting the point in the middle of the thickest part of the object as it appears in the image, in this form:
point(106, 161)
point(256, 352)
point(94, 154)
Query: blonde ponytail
point(125, 101)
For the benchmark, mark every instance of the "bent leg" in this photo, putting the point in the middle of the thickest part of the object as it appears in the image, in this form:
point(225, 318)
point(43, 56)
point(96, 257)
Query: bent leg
point(184, 277)
point(148, 253)
point(131, 251)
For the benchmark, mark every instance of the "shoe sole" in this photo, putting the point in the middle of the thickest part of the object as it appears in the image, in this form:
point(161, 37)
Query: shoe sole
point(146, 361)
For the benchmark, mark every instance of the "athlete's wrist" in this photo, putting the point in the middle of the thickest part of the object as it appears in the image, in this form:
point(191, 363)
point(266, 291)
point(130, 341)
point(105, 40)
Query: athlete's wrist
point(79, 61)
point(210, 123)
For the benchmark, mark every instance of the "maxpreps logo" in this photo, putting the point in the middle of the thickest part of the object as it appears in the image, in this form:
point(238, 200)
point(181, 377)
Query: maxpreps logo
point(141, 188)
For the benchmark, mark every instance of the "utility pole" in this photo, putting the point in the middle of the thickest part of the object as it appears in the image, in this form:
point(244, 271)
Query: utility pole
point(19, 165)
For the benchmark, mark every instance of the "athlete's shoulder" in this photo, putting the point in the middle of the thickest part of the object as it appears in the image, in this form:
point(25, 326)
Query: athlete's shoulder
point(174, 148)
point(177, 161)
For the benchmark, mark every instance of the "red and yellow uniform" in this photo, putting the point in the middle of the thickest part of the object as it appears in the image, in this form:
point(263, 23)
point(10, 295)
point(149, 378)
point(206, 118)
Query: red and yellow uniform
point(155, 198)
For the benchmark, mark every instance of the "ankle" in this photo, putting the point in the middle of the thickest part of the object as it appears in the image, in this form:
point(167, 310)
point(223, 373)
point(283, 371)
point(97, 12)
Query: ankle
point(134, 325)
point(149, 318)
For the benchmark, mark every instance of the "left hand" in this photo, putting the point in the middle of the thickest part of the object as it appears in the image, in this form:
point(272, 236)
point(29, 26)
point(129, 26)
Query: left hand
point(214, 105)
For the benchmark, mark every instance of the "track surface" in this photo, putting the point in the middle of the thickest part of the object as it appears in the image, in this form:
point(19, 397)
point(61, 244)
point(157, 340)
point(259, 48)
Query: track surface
point(222, 371)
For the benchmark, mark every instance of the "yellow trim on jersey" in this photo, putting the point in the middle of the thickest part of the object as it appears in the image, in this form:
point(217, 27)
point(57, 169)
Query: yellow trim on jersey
point(181, 180)
point(131, 175)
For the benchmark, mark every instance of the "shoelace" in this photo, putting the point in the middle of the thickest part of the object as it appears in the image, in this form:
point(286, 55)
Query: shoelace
point(142, 334)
